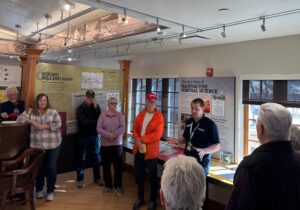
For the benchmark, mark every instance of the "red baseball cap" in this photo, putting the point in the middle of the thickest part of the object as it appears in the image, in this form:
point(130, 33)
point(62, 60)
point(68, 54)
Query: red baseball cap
point(150, 96)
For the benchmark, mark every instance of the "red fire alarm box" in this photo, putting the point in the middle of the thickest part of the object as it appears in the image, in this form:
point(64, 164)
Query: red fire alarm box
point(209, 72)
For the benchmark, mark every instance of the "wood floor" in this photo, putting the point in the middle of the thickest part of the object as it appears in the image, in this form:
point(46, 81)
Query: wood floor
point(69, 197)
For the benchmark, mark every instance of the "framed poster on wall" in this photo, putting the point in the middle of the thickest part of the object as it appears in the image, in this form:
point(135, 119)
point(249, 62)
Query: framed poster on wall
point(218, 94)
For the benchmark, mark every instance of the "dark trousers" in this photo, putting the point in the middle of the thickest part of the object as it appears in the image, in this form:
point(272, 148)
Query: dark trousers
point(112, 155)
point(48, 170)
point(88, 146)
point(139, 166)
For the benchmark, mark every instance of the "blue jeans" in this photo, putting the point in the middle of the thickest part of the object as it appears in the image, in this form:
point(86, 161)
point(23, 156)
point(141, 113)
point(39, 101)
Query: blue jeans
point(88, 146)
point(48, 170)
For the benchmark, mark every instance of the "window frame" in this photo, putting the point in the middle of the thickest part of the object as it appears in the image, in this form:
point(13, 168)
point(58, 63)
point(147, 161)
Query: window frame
point(163, 105)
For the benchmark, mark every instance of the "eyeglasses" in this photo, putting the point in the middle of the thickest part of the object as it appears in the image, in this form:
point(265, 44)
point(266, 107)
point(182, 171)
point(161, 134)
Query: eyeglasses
point(254, 122)
point(12, 94)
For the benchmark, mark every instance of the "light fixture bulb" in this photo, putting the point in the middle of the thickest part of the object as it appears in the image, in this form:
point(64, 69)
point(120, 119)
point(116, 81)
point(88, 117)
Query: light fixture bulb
point(69, 59)
point(67, 6)
point(125, 20)
point(40, 38)
point(157, 26)
point(183, 35)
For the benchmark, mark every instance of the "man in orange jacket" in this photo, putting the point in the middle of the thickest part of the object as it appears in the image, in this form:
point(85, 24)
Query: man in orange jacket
point(147, 131)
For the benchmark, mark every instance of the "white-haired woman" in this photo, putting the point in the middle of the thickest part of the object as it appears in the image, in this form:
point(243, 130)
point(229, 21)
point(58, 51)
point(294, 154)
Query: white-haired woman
point(182, 184)
point(111, 126)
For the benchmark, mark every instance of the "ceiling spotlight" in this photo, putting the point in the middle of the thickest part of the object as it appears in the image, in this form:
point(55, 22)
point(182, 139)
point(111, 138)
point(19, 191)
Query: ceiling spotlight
point(183, 35)
point(128, 49)
point(180, 40)
point(161, 43)
point(69, 5)
point(157, 25)
point(66, 41)
point(18, 27)
point(11, 57)
point(69, 59)
point(223, 33)
point(70, 50)
point(263, 26)
point(40, 37)
point(124, 19)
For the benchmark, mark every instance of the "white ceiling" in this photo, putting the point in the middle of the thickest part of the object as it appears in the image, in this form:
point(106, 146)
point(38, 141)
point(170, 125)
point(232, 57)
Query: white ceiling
point(196, 13)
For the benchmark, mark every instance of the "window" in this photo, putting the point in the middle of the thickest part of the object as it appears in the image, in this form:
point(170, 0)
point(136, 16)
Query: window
point(256, 92)
point(293, 90)
point(167, 91)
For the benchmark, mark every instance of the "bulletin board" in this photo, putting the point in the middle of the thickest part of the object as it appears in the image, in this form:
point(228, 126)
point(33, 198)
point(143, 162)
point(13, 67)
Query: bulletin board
point(218, 94)
point(60, 82)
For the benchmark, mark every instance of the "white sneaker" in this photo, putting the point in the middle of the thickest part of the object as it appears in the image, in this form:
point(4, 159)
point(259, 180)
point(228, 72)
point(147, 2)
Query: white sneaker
point(106, 190)
point(119, 191)
point(50, 197)
point(39, 194)
point(80, 184)
point(99, 182)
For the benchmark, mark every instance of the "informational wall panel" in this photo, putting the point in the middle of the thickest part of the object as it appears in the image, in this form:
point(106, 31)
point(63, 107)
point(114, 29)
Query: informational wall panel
point(61, 82)
point(218, 94)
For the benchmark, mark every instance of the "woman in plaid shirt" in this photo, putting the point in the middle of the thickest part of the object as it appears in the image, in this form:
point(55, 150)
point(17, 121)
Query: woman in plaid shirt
point(45, 134)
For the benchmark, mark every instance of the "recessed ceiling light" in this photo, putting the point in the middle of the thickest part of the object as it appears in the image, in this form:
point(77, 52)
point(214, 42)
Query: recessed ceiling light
point(223, 9)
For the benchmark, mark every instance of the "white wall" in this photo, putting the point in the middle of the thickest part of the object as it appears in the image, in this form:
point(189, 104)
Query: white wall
point(269, 56)
point(100, 63)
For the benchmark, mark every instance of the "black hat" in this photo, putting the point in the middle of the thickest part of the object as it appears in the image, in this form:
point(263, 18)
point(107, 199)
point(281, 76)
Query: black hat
point(90, 93)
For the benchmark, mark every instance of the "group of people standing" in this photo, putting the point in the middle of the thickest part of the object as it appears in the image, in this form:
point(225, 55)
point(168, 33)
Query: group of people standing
point(110, 125)
point(266, 179)
point(45, 133)
point(201, 138)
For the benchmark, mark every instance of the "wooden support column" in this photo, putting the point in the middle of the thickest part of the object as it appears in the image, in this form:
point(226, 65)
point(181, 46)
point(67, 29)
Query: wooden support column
point(125, 65)
point(28, 76)
point(23, 65)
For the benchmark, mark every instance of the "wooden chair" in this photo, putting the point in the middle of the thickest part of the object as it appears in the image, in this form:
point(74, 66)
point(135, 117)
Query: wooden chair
point(21, 180)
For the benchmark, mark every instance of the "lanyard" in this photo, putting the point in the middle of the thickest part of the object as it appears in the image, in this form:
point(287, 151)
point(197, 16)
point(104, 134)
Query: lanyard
point(192, 132)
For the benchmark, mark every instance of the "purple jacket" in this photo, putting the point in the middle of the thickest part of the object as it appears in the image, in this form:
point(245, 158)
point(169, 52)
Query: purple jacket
point(111, 123)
